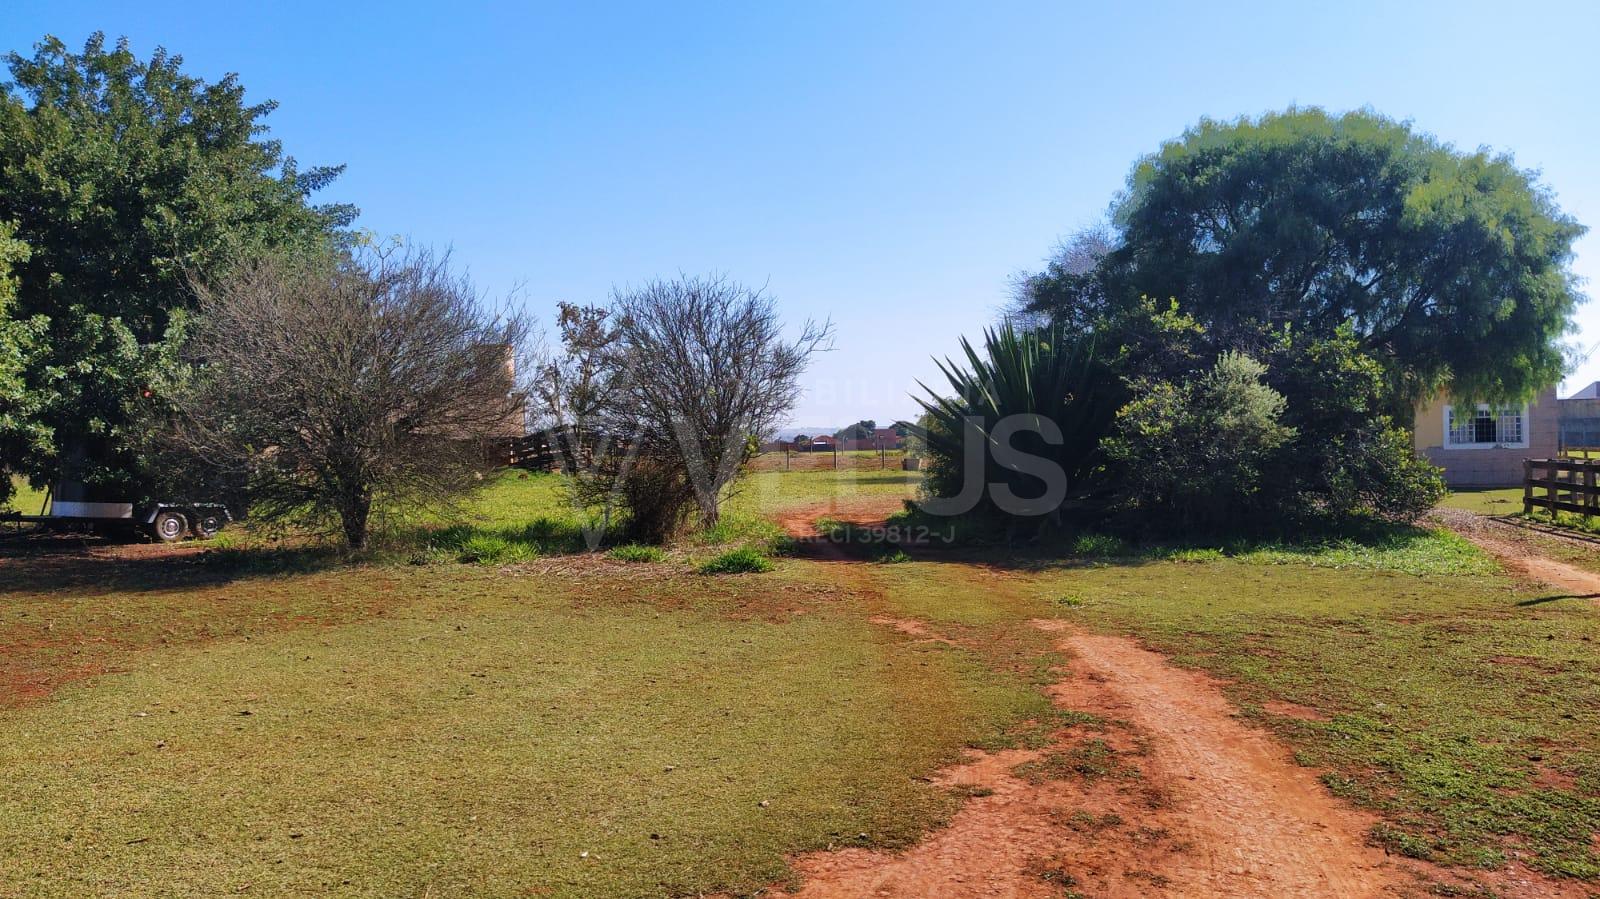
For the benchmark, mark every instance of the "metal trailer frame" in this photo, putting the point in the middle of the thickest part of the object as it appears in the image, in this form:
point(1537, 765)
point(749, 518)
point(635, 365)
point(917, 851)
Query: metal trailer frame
point(162, 521)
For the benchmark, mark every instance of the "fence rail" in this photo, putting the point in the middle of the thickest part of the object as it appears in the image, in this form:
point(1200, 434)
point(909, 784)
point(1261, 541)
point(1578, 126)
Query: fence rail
point(531, 451)
point(1569, 485)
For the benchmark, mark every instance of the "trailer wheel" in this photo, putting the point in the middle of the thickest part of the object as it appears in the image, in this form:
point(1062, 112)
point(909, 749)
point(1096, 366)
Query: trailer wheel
point(168, 526)
point(207, 526)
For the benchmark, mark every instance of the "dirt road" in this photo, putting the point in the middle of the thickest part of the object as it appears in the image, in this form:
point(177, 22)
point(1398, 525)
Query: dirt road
point(1172, 796)
point(1518, 550)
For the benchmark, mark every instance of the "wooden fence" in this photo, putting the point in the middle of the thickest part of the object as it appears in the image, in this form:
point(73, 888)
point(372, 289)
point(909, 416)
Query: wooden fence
point(1569, 485)
point(531, 451)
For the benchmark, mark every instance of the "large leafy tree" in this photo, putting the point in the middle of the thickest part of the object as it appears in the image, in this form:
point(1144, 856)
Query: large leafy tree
point(1447, 267)
point(21, 432)
point(125, 178)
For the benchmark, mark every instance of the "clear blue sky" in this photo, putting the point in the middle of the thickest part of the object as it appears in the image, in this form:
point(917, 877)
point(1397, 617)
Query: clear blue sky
point(886, 165)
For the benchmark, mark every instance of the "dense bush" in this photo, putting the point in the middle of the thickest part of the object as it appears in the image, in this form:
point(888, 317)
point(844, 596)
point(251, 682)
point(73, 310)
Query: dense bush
point(643, 498)
point(120, 178)
point(1194, 452)
point(1255, 447)
point(1349, 459)
point(1361, 263)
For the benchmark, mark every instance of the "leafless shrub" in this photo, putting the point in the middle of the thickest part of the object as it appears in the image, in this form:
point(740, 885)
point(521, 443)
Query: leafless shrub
point(337, 390)
point(1066, 291)
point(672, 395)
point(707, 370)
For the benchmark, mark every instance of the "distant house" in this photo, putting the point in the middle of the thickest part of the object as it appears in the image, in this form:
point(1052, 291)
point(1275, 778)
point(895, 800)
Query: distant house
point(1483, 445)
point(881, 439)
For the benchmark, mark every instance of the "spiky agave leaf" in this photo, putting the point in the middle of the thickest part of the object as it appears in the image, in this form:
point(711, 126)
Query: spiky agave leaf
point(1044, 374)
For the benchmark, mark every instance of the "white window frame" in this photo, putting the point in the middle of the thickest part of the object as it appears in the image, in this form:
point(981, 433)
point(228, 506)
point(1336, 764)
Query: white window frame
point(1487, 407)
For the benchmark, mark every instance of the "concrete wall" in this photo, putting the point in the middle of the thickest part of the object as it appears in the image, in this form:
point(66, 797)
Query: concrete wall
point(1580, 423)
point(1488, 466)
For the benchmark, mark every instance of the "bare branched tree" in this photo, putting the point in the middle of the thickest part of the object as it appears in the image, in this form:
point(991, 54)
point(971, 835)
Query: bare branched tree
point(337, 390)
point(1067, 291)
point(698, 368)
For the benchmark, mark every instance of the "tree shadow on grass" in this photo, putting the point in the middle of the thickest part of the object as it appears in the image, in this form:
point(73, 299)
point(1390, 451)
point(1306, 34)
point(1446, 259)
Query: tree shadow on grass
point(92, 566)
point(1541, 600)
point(997, 544)
point(96, 566)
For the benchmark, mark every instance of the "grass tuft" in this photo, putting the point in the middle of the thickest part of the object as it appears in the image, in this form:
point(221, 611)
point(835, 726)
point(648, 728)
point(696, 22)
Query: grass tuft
point(1090, 759)
point(504, 545)
point(744, 560)
point(637, 552)
point(1099, 545)
point(1409, 550)
point(493, 549)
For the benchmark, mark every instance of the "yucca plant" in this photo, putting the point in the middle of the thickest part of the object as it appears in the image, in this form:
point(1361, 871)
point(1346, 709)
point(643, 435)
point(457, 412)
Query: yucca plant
point(1034, 375)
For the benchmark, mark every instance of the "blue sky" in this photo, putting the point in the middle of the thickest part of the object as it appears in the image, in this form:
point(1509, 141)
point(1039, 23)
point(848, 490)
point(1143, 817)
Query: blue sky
point(889, 165)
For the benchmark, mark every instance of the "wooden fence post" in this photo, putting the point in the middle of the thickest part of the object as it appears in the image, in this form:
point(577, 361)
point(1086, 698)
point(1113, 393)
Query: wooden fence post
point(1589, 488)
point(1550, 476)
point(1527, 486)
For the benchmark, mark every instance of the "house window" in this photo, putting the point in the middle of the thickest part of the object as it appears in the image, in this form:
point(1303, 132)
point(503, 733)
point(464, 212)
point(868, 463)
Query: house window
point(1483, 426)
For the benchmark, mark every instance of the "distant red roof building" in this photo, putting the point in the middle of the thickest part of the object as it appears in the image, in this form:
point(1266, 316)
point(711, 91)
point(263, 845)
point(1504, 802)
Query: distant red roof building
point(881, 439)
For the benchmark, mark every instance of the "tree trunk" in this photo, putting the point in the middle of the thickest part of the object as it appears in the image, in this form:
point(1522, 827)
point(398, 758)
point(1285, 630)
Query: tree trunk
point(710, 513)
point(353, 516)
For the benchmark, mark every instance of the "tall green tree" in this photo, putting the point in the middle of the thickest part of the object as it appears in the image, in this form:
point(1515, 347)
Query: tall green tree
point(125, 178)
point(21, 432)
point(1448, 267)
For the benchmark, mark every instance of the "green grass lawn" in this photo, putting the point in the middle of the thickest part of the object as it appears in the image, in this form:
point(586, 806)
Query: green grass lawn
point(1489, 501)
point(478, 734)
point(521, 516)
point(204, 726)
point(624, 726)
point(24, 499)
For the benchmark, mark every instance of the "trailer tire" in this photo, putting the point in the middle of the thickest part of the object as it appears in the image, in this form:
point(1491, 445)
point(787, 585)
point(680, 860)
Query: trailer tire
point(207, 525)
point(168, 526)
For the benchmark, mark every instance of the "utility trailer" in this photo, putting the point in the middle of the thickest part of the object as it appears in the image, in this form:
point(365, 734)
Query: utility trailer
point(162, 522)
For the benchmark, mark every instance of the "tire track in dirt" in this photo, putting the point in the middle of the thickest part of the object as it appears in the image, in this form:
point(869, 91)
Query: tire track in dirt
point(1197, 804)
point(1245, 820)
point(1204, 806)
point(1192, 802)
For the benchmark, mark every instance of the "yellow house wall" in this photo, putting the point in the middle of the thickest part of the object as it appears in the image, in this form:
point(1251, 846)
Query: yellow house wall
point(1488, 466)
point(1429, 430)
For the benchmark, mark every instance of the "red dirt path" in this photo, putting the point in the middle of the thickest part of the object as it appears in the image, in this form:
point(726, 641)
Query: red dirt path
point(1198, 804)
